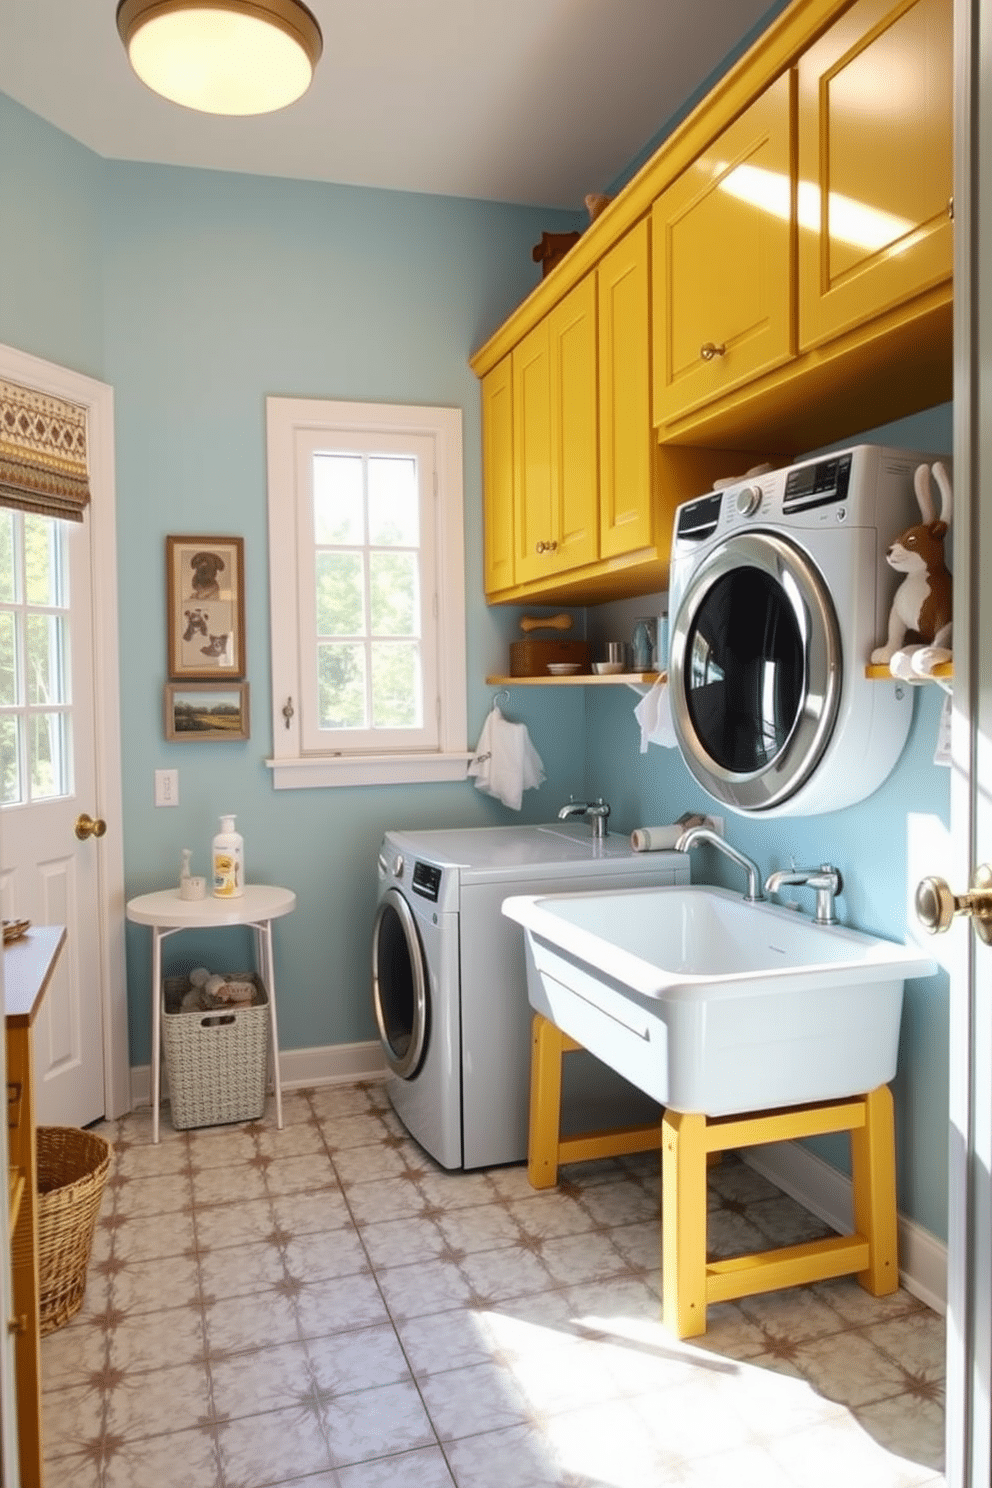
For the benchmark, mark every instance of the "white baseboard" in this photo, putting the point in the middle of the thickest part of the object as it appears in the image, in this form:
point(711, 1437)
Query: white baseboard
point(333, 1064)
point(826, 1192)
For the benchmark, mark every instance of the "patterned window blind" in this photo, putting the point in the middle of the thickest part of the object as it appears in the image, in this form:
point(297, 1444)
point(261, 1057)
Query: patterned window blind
point(43, 465)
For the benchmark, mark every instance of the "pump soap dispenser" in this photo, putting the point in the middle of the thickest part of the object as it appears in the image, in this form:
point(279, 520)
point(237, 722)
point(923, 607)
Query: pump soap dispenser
point(228, 861)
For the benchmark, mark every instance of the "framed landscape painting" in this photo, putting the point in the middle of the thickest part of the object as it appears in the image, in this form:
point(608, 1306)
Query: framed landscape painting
point(204, 712)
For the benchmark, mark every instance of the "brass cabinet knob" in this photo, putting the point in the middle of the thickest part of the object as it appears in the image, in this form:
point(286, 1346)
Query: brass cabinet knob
point(936, 906)
point(709, 350)
point(547, 547)
point(89, 826)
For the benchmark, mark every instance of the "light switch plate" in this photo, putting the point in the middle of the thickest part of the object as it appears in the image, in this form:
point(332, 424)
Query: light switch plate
point(166, 787)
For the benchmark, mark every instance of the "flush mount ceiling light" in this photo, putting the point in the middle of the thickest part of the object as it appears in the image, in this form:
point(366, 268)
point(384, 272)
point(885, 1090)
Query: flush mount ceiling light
point(222, 56)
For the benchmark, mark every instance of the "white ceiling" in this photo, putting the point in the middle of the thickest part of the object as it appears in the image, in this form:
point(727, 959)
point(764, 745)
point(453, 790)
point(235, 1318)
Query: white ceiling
point(530, 101)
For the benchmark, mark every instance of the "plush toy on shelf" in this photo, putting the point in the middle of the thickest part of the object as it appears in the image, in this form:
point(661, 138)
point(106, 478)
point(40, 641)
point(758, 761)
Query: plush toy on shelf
point(921, 608)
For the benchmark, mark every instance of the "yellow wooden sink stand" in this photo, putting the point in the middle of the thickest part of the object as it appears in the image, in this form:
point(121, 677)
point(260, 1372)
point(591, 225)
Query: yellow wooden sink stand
point(688, 1142)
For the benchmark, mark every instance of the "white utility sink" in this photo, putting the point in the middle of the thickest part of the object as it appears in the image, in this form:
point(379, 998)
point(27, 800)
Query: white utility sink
point(712, 1004)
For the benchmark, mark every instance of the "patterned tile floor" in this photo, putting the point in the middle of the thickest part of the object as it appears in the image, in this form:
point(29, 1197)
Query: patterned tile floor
point(324, 1307)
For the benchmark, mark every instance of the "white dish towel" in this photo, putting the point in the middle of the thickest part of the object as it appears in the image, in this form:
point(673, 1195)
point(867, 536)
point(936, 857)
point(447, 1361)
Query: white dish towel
point(654, 714)
point(505, 763)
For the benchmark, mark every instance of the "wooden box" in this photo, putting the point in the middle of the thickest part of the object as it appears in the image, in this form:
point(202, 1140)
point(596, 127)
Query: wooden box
point(530, 658)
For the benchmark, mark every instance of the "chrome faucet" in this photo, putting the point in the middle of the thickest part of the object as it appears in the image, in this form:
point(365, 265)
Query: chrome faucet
point(826, 880)
point(695, 835)
point(597, 811)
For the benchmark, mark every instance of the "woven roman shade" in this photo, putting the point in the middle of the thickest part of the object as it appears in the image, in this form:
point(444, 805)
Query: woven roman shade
point(43, 466)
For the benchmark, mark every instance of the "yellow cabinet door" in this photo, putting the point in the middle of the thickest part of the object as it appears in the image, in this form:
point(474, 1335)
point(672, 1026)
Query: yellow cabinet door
point(497, 467)
point(722, 247)
point(627, 441)
point(875, 163)
point(555, 439)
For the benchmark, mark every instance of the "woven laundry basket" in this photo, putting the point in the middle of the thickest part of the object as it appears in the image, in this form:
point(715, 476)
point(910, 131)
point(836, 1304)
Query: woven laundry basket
point(215, 1061)
point(72, 1169)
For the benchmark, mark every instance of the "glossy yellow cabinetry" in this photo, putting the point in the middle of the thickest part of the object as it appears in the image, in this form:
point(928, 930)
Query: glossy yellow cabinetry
point(627, 446)
point(497, 463)
point(723, 253)
point(554, 440)
point(875, 163)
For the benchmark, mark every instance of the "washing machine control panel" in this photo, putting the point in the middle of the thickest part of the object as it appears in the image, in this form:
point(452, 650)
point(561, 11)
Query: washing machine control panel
point(426, 881)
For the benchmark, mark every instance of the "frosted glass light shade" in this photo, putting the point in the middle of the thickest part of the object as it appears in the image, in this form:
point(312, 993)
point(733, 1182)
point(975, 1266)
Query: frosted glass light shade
point(222, 56)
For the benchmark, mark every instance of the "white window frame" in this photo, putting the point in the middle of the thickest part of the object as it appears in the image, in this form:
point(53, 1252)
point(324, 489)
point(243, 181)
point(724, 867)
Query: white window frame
point(294, 767)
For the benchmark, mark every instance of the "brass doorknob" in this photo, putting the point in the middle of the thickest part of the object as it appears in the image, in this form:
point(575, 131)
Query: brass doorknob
point(89, 826)
point(936, 906)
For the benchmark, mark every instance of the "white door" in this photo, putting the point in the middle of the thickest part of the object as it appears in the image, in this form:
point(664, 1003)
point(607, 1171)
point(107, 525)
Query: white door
point(969, 960)
point(60, 760)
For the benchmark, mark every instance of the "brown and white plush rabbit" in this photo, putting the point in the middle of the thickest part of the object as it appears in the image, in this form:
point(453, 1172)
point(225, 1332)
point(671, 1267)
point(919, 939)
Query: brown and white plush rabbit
point(921, 608)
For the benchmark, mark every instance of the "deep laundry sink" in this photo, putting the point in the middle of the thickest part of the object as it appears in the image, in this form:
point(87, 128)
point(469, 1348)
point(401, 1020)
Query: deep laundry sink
point(712, 1004)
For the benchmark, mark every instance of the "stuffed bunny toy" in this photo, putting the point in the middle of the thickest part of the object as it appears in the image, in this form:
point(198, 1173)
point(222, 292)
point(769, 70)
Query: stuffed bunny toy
point(921, 607)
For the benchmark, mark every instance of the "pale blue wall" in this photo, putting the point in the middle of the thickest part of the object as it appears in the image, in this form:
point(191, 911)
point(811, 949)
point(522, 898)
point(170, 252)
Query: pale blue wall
point(195, 294)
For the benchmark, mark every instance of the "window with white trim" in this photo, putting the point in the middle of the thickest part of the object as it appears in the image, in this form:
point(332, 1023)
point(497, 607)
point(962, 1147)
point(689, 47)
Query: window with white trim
point(367, 585)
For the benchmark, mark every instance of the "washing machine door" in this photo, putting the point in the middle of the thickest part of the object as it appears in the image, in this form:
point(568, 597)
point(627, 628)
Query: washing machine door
point(399, 985)
point(754, 670)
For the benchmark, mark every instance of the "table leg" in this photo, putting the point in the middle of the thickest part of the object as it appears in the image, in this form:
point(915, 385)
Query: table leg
point(266, 962)
point(156, 1027)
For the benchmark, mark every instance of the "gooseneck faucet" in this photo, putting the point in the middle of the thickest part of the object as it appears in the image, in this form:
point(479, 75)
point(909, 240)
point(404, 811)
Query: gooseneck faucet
point(695, 835)
point(597, 811)
point(826, 880)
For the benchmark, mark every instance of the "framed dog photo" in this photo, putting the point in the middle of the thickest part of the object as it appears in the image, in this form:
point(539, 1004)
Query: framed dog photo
point(205, 606)
point(205, 712)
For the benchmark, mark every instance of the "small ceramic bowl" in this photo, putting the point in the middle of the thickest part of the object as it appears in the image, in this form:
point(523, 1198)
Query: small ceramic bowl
point(607, 668)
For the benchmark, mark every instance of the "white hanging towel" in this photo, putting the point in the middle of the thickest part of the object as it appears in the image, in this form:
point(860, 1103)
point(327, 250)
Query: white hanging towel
point(654, 714)
point(505, 763)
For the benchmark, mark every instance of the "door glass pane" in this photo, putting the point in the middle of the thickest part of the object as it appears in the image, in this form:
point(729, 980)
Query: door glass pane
point(746, 675)
point(340, 594)
point(11, 790)
point(394, 515)
point(8, 574)
point(396, 686)
point(395, 597)
point(44, 546)
point(8, 658)
point(338, 499)
point(46, 666)
point(341, 685)
point(49, 755)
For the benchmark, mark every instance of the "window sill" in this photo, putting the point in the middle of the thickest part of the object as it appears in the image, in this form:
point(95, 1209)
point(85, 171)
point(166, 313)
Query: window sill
point(367, 769)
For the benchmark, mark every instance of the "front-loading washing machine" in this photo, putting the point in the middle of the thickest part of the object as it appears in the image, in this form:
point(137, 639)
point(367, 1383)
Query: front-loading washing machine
point(449, 982)
point(779, 592)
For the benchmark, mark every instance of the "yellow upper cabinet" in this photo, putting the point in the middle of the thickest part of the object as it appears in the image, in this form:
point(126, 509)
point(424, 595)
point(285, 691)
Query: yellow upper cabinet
point(875, 163)
point(723, 236)
point(497, 464)
point(555, 439)
point(627, 444)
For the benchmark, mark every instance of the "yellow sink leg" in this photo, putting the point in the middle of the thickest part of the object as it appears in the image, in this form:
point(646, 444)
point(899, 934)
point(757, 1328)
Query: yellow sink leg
point(874, 1183)
point(683, 1223)
point(547, 1050)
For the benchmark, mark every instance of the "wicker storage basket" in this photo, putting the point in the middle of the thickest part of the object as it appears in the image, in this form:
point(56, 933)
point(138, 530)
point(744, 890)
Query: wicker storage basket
point(72, 1167)
point(215, 1061)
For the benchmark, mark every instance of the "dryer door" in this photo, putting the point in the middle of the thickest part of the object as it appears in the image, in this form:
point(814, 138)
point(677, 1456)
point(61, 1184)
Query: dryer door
point(754, 670)
point(399, 985)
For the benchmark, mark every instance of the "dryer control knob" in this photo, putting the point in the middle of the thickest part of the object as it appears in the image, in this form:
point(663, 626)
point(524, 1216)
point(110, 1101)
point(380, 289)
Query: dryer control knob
point(748, 500)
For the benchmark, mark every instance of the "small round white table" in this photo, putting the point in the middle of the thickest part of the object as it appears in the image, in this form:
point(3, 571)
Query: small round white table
point(167, 914)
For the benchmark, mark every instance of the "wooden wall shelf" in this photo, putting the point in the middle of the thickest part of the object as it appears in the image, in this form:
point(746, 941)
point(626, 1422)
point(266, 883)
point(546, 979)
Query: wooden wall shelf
point(580, 679)
point(943, 672)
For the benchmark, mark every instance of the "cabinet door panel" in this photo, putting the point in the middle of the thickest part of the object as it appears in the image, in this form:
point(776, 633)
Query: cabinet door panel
point(875, 163)
point(572, 333)
point(626, 438)
point(722, 244)
point(497, 465)
point(532, 506)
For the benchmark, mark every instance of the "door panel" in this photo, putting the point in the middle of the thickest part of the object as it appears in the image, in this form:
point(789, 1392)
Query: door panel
point(626, 438)
point(497, 464)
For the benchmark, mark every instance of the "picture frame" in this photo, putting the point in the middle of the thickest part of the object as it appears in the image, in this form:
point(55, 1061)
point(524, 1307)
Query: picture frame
point(205, 607)
point(206, 712)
